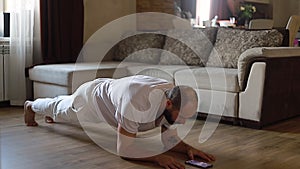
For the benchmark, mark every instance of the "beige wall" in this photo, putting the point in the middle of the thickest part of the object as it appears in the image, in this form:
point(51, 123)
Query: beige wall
point(97, 13)
point(283, 9)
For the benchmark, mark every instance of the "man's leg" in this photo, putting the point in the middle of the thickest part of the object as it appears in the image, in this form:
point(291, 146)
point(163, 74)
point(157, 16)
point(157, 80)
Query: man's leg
point(65, 107)
point(49, 119)
point(29, 114)
point(51, 108)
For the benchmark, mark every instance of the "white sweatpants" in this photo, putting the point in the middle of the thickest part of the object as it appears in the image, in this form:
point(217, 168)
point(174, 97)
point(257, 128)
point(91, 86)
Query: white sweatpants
point(73, 108)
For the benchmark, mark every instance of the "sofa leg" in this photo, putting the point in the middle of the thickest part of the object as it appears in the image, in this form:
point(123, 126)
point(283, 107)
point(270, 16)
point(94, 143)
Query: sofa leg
point(250, 124)
point(236, 122)
point(215, 118)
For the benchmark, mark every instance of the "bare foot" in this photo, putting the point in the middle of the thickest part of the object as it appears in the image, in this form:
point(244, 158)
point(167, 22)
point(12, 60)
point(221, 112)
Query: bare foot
point(29, 114)
point(48, 119)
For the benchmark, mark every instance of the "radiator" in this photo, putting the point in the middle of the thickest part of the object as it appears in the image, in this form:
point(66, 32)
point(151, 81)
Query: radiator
point(4, 56)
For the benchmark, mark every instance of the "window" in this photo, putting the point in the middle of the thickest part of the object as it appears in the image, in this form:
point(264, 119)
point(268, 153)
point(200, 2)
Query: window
point(202, 11)
point(4, 20)
point(1, 18)
point(4, 24)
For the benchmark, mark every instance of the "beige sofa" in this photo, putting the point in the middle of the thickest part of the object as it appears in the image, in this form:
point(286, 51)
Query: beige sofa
point(243, 76)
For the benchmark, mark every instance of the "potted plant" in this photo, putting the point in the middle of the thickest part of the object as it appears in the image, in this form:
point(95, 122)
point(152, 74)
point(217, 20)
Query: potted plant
point(246, 13)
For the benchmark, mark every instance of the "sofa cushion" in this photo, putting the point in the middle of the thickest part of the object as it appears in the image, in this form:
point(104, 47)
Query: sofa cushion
point(191, 47)
point(63, 74)
point(46, 90)
point(161, 71)
point(231, 43)
point(209, 78)
point(217, 102)
point(141, 47)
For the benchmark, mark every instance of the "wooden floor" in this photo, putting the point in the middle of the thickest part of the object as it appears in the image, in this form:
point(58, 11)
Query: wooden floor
point(52, 146)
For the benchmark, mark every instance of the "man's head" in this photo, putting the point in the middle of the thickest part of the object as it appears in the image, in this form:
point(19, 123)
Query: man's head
point(181, 104)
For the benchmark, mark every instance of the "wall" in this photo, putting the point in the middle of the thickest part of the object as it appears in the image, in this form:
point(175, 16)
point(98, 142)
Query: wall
point(100, 12)
point(258, 1)
point(189, 5)
point(97, 13)
point(283, 9)
point(154, 22)
point(280, 10)
point(166, 6)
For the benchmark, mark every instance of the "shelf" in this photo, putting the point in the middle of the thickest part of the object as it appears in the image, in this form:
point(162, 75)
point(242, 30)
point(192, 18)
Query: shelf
point(258, 1)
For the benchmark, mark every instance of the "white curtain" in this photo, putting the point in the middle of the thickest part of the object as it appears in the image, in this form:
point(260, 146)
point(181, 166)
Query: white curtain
point(21, 50)
point(1, 5)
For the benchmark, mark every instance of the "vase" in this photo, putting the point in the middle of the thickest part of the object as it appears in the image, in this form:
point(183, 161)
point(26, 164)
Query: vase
point(246, 24)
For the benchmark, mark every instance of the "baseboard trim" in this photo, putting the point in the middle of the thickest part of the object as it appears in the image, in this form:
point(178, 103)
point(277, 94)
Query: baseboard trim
point(5, 103)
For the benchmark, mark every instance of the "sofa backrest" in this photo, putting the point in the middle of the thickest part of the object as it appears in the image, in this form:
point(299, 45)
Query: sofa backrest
point(213, 47)
point(231, 43)
point(140, 47)
point(190, 47)
point(173, 47)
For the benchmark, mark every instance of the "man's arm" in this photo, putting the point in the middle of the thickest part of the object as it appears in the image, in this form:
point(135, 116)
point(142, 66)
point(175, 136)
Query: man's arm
point(128, 150)
point(173, 143)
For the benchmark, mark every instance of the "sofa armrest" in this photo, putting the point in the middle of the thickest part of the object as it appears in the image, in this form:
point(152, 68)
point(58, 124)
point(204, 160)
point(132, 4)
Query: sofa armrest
point(261, 54)
point(274, 84)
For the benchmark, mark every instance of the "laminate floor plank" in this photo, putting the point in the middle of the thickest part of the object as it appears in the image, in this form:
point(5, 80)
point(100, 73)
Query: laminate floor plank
point(67, 146)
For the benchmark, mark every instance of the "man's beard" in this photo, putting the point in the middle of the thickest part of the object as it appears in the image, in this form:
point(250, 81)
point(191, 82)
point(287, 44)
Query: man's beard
point(168, 116)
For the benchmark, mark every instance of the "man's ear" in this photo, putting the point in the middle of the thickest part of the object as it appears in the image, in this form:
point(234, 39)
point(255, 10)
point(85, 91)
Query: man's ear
point(169, 104)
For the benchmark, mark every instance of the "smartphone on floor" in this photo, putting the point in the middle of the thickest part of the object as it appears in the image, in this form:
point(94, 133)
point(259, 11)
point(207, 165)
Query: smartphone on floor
point(199, 164)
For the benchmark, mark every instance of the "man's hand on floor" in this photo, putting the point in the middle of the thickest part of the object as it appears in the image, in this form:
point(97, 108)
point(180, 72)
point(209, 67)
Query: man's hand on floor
point(169, 162)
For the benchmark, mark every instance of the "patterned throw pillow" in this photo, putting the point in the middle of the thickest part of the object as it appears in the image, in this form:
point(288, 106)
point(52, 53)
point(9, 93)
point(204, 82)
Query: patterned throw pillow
point(145, 48)
point(191, 47)
point(231, 43)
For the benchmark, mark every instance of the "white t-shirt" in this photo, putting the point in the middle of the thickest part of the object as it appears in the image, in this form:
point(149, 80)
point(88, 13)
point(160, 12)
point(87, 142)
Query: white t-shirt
point(134, 102)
